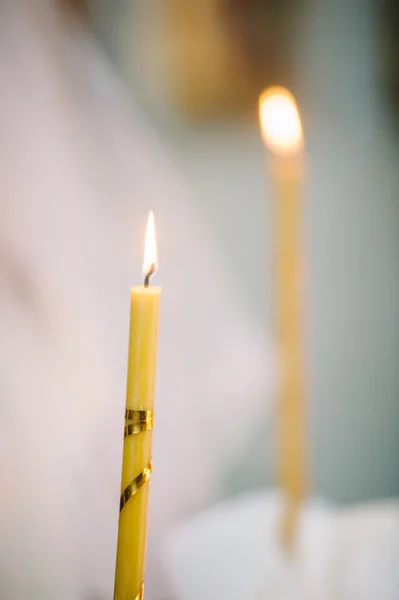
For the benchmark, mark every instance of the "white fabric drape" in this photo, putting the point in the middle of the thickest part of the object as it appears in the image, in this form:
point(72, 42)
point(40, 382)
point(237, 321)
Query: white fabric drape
point(79, 173)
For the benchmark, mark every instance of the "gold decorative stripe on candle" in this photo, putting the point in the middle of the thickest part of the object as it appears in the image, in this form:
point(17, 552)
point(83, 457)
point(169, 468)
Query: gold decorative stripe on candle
point(139, 415)
point(140, 595)
point(138, 427)
point(142, 420)
point(136, 484)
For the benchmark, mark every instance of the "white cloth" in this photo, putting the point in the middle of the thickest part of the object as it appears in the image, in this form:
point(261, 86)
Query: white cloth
point(232, 552)
point(79, 173)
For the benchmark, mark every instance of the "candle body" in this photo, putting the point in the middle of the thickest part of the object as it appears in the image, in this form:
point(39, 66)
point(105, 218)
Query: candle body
point(136, 466)
point(288, 174)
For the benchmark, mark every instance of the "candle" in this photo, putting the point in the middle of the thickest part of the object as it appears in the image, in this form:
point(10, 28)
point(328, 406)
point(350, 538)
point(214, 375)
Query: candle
point(139, 418)
point(282, 132)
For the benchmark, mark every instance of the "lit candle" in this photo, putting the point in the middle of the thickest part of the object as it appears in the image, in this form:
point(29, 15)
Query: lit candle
point(282, 132)
point(139, 418)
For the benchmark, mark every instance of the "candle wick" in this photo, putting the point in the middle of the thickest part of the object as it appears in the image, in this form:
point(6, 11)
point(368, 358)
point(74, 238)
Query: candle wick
point(147, 277)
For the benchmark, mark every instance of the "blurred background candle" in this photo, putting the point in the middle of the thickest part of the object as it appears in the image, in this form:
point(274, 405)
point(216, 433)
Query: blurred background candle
point(136, 467)
point(282, 133)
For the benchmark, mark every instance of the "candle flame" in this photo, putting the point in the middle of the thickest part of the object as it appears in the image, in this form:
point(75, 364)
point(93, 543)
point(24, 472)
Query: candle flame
point(280, 122)
point(150, 252)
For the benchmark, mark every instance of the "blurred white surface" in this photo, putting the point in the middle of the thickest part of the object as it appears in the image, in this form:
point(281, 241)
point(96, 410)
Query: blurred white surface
point(232, 552)
point(219, 554)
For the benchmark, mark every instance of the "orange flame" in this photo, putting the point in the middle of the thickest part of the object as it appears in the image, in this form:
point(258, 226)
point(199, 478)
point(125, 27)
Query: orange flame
point(150, 252)
point(279, 120)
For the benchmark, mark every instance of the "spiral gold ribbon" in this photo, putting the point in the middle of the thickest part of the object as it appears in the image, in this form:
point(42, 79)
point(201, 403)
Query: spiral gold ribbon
point(137, 421)
point(138, 415)
point(135, 485)
point(140, 595)
point(141, 420)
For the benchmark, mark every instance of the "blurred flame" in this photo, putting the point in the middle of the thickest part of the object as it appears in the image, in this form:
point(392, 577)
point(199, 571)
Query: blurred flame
point(279, 120)
point(150, 252)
